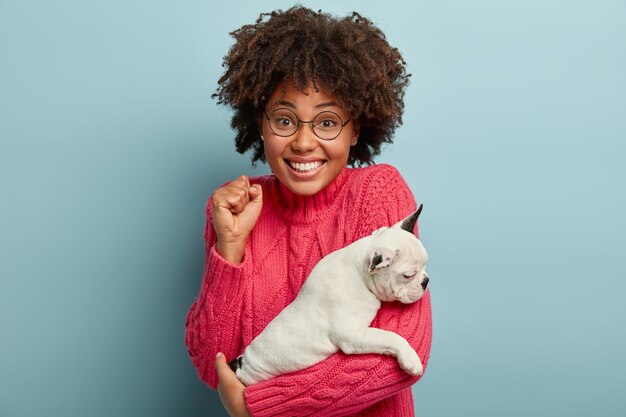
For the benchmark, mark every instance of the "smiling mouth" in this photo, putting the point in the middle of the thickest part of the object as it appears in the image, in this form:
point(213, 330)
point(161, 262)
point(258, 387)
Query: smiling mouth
point(304, 167)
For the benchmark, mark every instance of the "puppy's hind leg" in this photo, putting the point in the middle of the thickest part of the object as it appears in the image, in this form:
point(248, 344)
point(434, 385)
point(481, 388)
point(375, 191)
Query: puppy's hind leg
point(373, 340)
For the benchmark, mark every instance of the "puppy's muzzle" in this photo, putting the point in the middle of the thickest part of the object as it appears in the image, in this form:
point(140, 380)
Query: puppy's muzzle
point(425, 283)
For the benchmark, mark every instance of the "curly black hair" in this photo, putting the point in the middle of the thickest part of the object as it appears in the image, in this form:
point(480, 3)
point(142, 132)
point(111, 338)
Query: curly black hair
point(348, 56)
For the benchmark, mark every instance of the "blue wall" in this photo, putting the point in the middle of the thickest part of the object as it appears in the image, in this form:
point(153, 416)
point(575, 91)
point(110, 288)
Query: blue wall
point(514, 139)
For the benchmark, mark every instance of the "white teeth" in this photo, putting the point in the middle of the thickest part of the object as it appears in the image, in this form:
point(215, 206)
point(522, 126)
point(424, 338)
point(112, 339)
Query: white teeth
point(309, 166)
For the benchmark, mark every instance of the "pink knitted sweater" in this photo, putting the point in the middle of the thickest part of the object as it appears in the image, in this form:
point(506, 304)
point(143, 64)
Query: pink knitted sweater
point(292, 234)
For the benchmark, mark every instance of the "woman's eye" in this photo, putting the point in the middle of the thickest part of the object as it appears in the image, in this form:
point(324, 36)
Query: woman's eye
point(284, 122)
point(327, 123)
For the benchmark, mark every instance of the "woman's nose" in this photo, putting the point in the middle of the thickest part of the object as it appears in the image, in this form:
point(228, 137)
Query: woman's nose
point(304, 139)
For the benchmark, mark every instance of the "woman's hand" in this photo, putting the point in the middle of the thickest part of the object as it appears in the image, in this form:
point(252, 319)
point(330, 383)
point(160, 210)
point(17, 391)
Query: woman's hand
point(236, 208)
point(230, 389)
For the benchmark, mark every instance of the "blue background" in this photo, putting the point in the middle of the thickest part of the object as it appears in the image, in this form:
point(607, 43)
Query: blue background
point(514, 140)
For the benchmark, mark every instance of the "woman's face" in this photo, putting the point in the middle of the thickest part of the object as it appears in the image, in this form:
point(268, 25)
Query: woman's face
point(303, 162)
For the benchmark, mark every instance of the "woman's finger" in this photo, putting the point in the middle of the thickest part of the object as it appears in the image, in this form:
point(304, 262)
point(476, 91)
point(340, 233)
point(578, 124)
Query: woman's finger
point(231, 197)
point(243, 181)
point(225, 375)
point(230, 389)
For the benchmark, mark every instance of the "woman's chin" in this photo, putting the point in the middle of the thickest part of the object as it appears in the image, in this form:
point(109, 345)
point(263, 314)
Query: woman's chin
point(304, 188)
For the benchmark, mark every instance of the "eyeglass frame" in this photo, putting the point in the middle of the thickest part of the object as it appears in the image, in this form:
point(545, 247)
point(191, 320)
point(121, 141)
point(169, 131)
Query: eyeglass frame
point(343, 124)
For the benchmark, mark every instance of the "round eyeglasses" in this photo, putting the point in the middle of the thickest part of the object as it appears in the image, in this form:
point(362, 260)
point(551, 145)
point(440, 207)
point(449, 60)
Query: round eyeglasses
point(327, 125)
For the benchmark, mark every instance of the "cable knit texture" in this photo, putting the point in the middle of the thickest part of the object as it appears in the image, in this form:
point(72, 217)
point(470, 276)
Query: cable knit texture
point(292, 234)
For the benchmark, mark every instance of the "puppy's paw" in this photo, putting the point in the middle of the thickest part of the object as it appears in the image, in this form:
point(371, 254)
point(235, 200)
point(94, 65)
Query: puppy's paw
point(235, 364)
point(410, 362)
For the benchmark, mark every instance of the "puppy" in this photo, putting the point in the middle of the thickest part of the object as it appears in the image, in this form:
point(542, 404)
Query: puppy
point(337, 303)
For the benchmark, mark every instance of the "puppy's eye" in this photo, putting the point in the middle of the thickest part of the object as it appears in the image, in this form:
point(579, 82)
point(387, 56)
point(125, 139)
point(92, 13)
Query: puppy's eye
point(408, 274)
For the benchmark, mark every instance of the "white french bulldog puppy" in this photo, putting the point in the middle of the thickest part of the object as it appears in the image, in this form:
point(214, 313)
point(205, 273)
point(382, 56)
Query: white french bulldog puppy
point(337, 303)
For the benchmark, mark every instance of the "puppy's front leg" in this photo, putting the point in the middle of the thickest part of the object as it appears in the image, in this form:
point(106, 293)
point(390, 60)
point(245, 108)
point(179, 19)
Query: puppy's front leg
point(373, 340)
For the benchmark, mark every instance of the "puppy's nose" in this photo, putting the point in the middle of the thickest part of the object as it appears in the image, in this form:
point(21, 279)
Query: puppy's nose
point(425, 283)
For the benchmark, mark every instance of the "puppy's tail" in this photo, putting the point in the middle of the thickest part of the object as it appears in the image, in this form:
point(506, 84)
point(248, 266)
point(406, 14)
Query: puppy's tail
point(236, 363)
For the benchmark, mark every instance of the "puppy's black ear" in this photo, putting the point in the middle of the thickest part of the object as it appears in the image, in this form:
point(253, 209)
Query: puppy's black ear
point(381, 258)
point(408, 223)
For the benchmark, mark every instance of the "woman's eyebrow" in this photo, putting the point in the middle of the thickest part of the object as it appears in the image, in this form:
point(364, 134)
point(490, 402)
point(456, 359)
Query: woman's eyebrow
point(284, 103)
point(326, 104)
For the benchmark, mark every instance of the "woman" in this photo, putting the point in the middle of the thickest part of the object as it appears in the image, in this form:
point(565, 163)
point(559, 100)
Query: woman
point(311, 95)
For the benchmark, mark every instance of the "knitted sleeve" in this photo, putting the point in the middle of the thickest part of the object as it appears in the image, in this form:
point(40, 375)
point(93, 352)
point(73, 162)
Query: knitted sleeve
point(213, 323)
point(345, 384)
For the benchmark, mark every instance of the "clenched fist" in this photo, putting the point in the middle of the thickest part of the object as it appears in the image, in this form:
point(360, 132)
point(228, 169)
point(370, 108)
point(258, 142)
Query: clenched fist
point(236, 209)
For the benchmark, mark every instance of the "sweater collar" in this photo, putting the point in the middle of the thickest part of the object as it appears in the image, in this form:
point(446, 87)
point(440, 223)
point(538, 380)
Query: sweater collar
point(304, 209)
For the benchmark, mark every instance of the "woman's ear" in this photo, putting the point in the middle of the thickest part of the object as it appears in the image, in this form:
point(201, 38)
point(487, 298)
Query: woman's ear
point(356, 130)
point(259, 123)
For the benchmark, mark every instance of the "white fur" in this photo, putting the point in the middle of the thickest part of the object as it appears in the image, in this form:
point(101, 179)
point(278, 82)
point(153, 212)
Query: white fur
point(336, 305)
